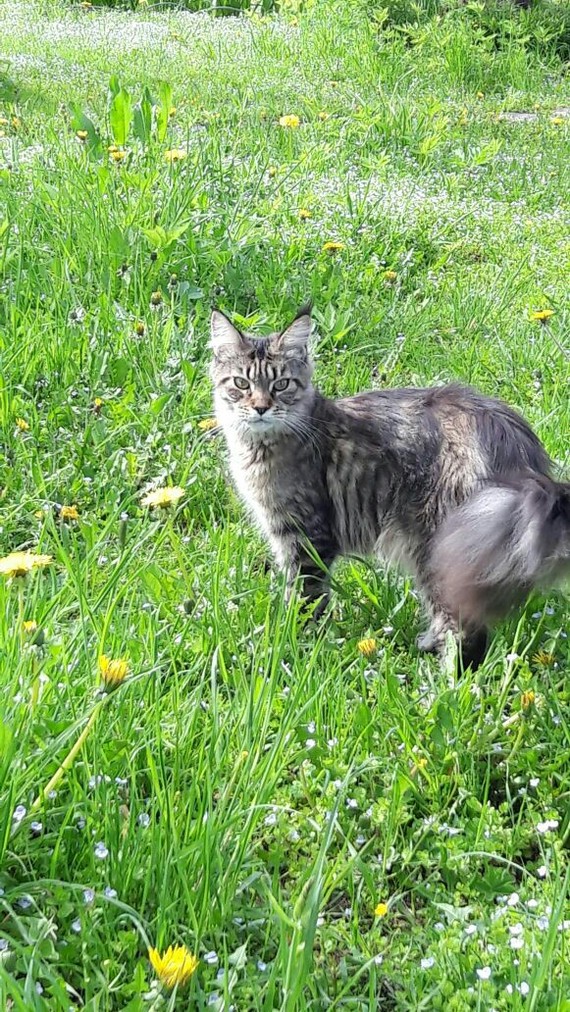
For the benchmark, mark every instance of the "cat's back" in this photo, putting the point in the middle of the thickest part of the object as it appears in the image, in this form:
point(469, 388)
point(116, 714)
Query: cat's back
point(451, 420)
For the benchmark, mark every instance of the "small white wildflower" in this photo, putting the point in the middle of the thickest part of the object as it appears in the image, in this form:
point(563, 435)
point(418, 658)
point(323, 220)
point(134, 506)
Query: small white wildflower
point(351, 803)
point(36, 827)
point(88, 896)
point(379, 959)
point(534, 782)
point(439, 926)
point(293, 836)
point(261, 966)
point(213, 998)
point(310, 743)
point(524, 988)
point(542, 923)
point(337, 784)
point(110, 893)
point(39, 988)
point(211, 958)
point(427, 962)
point(516, 929)
point(483, 972)
point(332, 742)
point(511, 658)
point(548, 826)
point(532, 904)
point(509, 989)
point(513, 900)
point(471, 929)
point(320, 921)
point(517, 943)
point(76, 925)
point(270, 819)
point(360, 840)
point(144, 820)
point(19, 813)
point(542, 872)
point(311, 728)
point(101, 851)
point(25, 902)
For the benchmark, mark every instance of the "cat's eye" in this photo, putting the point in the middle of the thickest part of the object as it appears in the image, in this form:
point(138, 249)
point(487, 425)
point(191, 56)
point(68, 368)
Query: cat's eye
point(280, 385)
point(241, 383)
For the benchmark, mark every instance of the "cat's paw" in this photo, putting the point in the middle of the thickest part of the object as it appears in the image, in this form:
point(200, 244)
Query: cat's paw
point(428, 642)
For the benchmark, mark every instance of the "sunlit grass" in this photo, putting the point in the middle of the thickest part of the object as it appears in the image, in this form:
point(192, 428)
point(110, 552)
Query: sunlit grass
point(320, 816)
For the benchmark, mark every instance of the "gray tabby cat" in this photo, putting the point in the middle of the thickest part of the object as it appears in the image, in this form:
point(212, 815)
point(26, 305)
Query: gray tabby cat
point(452, 484)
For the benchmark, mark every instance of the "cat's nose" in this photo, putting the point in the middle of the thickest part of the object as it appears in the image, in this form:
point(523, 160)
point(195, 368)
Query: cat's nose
point(262, 410)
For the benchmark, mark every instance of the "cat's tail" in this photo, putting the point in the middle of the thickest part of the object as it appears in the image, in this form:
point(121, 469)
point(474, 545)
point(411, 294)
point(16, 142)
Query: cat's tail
point(489, 553)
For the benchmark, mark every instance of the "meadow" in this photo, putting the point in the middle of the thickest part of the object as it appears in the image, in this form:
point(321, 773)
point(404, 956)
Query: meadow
point(324, 818)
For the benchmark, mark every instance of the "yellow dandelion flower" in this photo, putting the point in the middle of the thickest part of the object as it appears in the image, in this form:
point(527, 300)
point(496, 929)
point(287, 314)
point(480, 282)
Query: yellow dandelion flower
point(207, 424)
point(30, 626)
point(81, 135)
point(112, 147)
point(39, 514)
point(557, 120)
point(118, 155)
point(22, 563)
point(390, 275)
point(172, 111)
point(272, 171)
point(22, 424)
point(140, 329)
point(420, 764)
point(480, 94)
point(381, 909)
point(167, 496)
point(175, 966)
point(156, 298)
point(367, 647)
point(97, 403)
point(324, 115)
point(527, 699)
point(175, 155)
point(290, 120)
point(16, 122)
point(86, 6)
point(544, 658)
point(304, 213)
point(69, 513)
point(333, 247)
point(542, 315)
point(113, 671)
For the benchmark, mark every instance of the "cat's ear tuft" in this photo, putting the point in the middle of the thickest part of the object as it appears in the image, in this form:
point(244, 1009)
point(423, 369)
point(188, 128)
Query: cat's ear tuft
point(296, 337)
point(223, 334)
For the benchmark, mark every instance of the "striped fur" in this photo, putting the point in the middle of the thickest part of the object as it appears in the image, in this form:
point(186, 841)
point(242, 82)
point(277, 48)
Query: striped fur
point(382, 473)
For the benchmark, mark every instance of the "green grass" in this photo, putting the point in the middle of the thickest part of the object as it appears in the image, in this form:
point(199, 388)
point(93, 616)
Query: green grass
point(259, 786)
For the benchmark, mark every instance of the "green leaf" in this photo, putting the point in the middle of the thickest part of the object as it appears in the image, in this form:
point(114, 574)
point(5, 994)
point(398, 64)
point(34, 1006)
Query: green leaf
point(165, 100)
point(142, 119)
point(120, 116)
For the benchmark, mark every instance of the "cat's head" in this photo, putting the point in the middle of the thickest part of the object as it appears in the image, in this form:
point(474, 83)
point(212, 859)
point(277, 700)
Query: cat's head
point(262, 385)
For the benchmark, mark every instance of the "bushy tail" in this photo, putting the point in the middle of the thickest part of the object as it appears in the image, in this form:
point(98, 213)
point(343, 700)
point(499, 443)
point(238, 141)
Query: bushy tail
point(511, 536)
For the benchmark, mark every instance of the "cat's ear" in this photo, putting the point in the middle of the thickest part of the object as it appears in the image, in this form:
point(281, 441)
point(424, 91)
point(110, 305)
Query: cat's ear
point(223, 334)
point(295, 339)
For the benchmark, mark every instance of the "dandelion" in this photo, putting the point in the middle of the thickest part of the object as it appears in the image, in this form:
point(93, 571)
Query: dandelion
point(81, 135)
point(324, 115)
point(541, 315)
point(97, 404)
point(207, 424)
point(333, 247)
point(175, 155)
point(304, 213)
point(367, 647)
point(175, 967)
point(172, 111)
point(272, 171)
point(390, 275)
point(16, 122)
point(167, 496)
point(22, 563)
point(156, 299)
point(30, 626)
point(140, 329)
point(527, 699)
point(69, 513)
point(381, 909)
point(543, 658)
point(557, 120)
point(118, 154)
point(480, 94)
point(290, 121)
point(22, 425)
point(113, 671)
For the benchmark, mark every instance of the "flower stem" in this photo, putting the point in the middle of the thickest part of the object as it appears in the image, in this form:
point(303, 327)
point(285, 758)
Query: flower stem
point(68, 761)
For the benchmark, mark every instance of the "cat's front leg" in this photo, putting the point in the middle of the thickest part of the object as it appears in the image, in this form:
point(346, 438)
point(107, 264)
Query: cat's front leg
point(305, 563)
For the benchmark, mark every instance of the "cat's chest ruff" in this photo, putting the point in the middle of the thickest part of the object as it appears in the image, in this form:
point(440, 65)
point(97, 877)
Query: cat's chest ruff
point(260, 478)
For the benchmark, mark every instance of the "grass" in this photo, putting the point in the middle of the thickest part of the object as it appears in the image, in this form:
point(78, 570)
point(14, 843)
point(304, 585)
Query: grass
point(254, 789)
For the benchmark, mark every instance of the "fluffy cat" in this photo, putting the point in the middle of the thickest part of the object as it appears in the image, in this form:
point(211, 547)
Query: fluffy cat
point(453, 485)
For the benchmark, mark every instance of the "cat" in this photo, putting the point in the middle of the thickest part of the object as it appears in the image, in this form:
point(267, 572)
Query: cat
point(453, 485)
